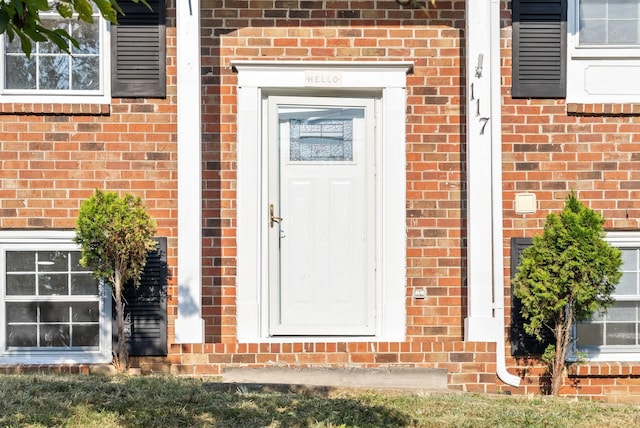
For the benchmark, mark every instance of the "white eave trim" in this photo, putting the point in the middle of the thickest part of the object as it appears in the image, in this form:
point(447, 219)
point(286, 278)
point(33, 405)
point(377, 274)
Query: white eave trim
point(295, 74)
point(407, 66)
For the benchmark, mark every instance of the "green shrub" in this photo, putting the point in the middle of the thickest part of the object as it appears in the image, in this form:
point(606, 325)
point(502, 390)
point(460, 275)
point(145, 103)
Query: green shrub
point(567, 275)
point(115, 235)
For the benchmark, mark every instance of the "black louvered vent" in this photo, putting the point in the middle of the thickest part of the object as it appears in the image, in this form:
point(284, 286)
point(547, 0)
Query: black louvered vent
point(539, 49)
point(146, 307)
point(138, 51)
point(523, 344)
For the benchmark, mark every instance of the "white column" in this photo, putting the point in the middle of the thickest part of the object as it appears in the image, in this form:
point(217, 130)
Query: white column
point(480, 323)
point(189, 325)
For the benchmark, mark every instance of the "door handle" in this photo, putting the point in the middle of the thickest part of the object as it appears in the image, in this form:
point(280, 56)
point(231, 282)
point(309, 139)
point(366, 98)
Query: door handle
point(273, 218)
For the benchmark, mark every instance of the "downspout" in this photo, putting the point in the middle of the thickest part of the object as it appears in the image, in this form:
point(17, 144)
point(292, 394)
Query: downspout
point(496, 195)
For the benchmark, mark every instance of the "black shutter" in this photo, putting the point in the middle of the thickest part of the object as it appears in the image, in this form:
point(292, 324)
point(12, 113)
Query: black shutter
point(146, 307)
point(138, 51)
point(539, 49)
point(523, 344)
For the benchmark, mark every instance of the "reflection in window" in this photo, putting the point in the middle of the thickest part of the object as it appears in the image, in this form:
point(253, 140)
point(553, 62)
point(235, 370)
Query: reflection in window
point(51, 69)
point(609, 22)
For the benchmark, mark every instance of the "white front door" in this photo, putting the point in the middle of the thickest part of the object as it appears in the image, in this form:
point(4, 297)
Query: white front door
point(321, 216)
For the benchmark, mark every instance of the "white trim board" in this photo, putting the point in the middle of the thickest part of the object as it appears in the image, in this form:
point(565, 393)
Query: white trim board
point(189, 325)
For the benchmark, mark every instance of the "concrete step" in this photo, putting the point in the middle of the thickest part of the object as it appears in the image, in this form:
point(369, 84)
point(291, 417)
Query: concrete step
point(397, 378)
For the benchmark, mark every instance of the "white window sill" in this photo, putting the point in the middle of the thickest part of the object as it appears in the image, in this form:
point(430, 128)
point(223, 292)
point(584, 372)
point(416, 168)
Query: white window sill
point(602, 356)
point(76, 357)
point(605, 52)
point(54, 99)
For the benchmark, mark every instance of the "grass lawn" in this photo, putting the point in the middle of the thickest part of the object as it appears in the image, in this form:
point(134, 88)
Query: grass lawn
point(150, 401)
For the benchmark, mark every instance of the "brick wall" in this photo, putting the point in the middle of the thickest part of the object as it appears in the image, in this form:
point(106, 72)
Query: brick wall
point(54, 156)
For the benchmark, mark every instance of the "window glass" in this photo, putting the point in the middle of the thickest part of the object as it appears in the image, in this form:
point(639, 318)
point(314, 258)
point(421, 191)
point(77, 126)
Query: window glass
point(22, 312)
point(83, 284)
point(321, 140)
point(85, 73)
point(23, 72)
point(21, 285)
point(22, 336)
point(618, 327)
point(609, 22)
point(86, 335)
point(53, 72)
point(53, 284)
point(50, 301)
point(592, 10)
point(87, 37)
point(621, 334)
point(590, 334)
point(85, 311)
point(22, 261)
point(321, 134)
point(628, 284)
point(51, 69)
point(52, 261)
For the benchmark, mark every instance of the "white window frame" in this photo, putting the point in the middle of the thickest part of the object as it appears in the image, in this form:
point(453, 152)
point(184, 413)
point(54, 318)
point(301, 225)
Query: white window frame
point(613, 353)
point(599, 74)
point(100, 96)
point(308, 78)
point(29, 240)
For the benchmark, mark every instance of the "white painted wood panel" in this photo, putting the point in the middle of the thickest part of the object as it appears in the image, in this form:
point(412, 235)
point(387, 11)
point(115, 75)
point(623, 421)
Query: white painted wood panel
point(326, 280)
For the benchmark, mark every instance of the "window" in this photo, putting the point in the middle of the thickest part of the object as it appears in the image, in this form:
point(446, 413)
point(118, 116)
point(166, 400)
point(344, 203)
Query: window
point(51, 69)
point(615, 335)
point(603, 51)
point(124, 60)
point(321, 139)
point(587, 51)
point(608, 23)
point(51, 72)
point(53, 310)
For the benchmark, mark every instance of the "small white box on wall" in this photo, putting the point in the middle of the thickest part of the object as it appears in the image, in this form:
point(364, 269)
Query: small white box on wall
point(525, 203)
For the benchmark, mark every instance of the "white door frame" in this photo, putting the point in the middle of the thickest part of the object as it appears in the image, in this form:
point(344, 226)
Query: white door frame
point(386, 81)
